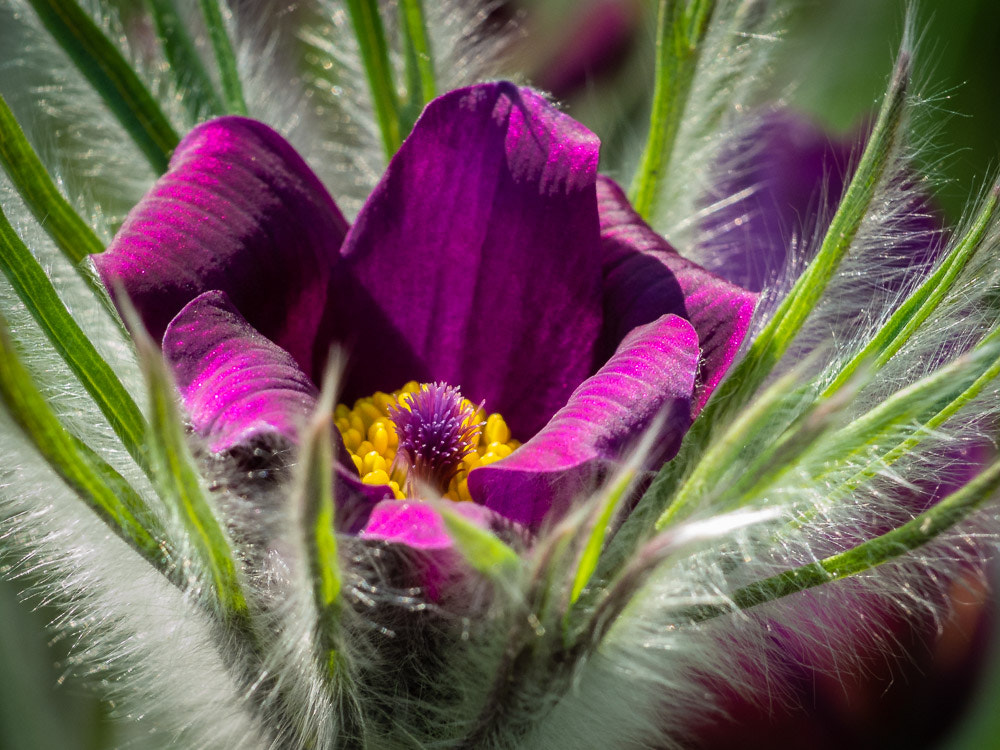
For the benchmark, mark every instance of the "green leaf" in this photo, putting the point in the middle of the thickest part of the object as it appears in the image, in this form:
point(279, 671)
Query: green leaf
point(74, 238)
point(481, 548)
point(314, 491)
point(177, 479)
point(919, 306)
point(421, 83)
point(746, 376)
point(183, 61)
point(100, 486)
point(605, 509)
point(912, 535)
point(111, 76)
point(375, 57)
point(773, 341)
point(681, 28)
point(31, 284)
point(232, 87)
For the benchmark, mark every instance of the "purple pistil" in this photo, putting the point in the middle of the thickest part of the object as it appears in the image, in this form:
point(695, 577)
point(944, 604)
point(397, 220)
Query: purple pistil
point(436, 429)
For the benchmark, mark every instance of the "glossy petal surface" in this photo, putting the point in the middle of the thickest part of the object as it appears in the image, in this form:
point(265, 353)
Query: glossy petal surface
point(652, 372)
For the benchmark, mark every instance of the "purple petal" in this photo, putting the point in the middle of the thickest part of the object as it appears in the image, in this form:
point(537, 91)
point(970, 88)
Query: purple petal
point(644, 278)
point(238, 211)
point(234, 382)
point(476, 261)
point(238, 386)
point(652, 372)
point(419, 525)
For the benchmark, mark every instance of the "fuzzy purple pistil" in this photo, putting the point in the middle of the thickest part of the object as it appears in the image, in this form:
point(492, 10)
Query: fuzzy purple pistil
point(436, 429)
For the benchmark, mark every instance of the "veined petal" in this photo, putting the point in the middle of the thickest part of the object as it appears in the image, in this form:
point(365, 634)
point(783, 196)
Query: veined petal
point(476, 261)
point(234, 382)
point(238, 386)
point(652, 372)
point(238, 211)
point(644, 278)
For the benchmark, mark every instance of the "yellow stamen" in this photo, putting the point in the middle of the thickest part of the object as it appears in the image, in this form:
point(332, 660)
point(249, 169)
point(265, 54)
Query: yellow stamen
point(372, 441)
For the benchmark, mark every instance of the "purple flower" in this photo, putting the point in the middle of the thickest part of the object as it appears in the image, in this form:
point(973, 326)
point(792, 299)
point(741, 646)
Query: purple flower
point(490, 257)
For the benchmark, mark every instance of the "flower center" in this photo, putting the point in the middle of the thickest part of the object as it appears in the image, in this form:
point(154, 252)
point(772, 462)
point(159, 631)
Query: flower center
point(422, 436)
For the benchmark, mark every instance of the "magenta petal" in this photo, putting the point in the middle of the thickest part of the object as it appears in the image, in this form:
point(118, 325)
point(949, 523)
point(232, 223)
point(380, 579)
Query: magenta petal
point(476, 260)
point(652, 372)
point(238, 211)
point(238, 387)
point(644, 278)
point(417, 524)
point(233, 381)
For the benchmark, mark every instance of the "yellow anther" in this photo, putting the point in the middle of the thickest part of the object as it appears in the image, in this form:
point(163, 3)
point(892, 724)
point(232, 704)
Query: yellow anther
point(372, 440)
point(383, 401)
point(372, 462)
point(369, 413)
point(496, 430)
point(378, 436)
point(352, 439)
point(500, 450)
point(376, 477)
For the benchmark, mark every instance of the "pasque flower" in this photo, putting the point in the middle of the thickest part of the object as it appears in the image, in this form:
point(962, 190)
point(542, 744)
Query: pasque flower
point(491, 257)
point(664, 467)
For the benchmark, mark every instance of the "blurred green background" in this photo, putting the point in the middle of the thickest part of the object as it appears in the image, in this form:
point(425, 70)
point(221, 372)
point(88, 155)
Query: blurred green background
point(834, 60)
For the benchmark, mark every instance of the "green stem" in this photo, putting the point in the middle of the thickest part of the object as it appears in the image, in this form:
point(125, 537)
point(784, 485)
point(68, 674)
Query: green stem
point(32, 285)
point(184, 63)
point(912, 535)
point(74, 238)
point(680, 31)
point(112, 77)
point(225, 58)
point(375, 57)
point(100, 486)
point(416, 33)
point(924, 300)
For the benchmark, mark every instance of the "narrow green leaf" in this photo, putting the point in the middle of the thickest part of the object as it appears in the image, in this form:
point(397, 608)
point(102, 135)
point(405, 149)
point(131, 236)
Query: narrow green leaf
point(919, 306)
point(111, 76)
point(100, 486)
point(605, 510)
point(423, 85)
point(177, 479)
point(912, 535)
point(681, 28)
point(772, 342)
point(481, 548)
point(314, 490)
point(746, 376)
point(184, 63)
point(74, 238)
point(925, 430)
point(225, 58)
point(375, 57)
point(29, 281)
